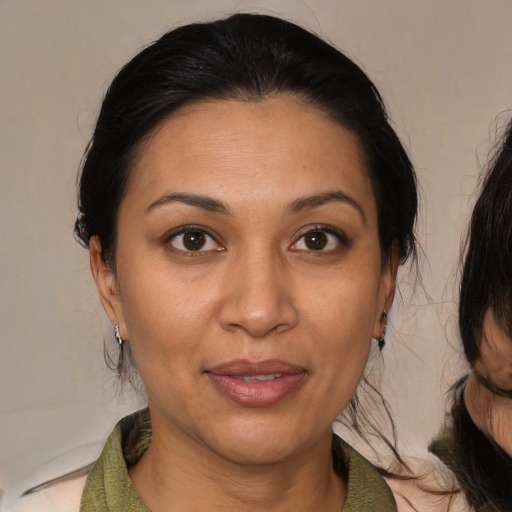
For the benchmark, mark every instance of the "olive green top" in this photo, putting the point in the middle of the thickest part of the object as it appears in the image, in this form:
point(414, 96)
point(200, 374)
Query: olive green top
point(109, 488)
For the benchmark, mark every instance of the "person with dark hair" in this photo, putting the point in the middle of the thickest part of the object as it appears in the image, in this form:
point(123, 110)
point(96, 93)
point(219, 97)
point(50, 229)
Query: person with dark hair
point(246, 205)
point(477, 443)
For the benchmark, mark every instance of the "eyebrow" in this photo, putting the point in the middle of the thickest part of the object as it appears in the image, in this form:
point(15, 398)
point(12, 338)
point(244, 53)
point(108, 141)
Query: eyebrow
point(204, 202)
point(310, 202)
point(299, 205)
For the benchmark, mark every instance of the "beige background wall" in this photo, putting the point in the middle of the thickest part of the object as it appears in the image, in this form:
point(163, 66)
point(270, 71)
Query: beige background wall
point(445, 70)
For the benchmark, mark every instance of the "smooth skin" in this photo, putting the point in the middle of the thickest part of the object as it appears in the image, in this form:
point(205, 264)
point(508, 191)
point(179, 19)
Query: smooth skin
point(248, 231)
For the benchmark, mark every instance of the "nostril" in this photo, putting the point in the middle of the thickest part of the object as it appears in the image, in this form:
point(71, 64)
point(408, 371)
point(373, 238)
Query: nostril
point(258, 322)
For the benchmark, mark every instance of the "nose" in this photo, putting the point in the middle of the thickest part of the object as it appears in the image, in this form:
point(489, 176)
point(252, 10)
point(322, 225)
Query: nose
point(259, 299)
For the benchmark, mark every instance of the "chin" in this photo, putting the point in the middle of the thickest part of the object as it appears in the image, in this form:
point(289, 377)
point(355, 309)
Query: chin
point(255, 452)
point(260, 442)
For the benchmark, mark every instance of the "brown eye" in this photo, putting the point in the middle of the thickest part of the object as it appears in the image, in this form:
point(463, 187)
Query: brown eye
point(194, 240)
point(320, 239)
point(316, 240)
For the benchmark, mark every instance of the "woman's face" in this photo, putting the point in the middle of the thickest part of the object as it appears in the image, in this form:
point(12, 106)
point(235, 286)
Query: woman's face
point(248, 276)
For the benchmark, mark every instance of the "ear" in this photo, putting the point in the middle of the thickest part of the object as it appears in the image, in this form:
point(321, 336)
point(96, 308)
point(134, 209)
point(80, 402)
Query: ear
point(106, 283)
point(386, 289)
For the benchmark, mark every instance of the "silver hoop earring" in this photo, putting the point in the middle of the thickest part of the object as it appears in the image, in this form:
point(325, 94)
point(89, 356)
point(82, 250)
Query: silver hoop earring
point(118, 336)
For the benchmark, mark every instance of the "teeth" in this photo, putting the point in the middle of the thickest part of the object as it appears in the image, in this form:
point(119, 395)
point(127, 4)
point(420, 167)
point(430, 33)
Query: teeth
point(261, 378)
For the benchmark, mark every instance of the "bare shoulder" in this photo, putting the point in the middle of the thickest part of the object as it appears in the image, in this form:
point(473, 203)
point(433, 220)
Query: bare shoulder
point(60, 497)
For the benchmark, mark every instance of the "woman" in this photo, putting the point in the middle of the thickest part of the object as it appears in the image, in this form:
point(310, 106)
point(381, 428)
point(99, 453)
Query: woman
point(246, 205)
point(477, 445)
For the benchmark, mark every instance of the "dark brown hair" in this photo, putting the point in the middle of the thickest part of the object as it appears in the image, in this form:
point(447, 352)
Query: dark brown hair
point(483, 469)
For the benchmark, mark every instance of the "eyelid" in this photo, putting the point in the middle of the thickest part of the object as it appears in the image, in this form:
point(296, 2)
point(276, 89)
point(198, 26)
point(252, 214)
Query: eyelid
point(188, 228)
point(327, 228)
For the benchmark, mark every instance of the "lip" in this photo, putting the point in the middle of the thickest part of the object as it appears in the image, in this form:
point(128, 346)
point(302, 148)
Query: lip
point(228, 378)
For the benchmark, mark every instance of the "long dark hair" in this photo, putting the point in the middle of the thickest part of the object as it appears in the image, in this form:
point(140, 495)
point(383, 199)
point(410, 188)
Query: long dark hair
point(487, 273)
point(482, 468)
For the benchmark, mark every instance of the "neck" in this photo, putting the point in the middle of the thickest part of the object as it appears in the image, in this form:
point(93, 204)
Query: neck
point(179, 473)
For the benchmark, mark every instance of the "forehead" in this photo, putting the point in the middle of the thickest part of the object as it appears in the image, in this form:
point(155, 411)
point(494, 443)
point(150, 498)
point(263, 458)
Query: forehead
point(280, 144)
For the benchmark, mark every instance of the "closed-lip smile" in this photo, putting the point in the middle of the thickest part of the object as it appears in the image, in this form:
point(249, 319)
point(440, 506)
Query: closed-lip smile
point(256, 383)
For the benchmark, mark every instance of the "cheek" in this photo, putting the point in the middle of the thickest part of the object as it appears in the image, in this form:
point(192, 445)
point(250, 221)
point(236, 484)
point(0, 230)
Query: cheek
point(341, 369)
point(165, 313)
point(341, 326)
point(345, 307)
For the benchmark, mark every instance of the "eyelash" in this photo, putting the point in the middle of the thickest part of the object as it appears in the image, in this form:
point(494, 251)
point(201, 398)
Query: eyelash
point(331, 231)
point(192, 229)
